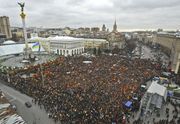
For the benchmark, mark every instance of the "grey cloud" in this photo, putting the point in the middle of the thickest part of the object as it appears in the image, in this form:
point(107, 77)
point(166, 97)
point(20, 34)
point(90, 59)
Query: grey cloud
point(146, 4)
point(77, 13)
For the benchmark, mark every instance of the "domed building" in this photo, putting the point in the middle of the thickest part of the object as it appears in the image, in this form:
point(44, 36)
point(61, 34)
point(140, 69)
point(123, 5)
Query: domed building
point(115, 38)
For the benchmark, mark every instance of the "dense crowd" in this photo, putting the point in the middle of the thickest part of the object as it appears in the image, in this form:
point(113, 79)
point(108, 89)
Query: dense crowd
point(74, 90)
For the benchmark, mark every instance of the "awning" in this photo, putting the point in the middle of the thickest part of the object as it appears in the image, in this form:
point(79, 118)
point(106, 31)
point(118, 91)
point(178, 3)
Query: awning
point(128, 104)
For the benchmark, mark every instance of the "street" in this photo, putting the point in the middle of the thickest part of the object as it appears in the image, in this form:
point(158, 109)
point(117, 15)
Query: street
point(33, 115)
point(148, 53)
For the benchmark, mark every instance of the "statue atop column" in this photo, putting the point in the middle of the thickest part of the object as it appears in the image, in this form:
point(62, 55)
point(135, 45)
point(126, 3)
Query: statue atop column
point(27, 49)
point(22, 6)
point(23, 15)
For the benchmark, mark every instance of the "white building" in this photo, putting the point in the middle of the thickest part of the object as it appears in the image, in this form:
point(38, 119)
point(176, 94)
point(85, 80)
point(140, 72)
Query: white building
point(61, 45)
point(64, 45)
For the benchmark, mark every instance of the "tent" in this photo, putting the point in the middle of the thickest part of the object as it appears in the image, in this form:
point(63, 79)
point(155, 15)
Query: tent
point(128, 104)
point(170, 93)
point(87, 62)
point(158, 89)
point(15, 49)
point(157, 100)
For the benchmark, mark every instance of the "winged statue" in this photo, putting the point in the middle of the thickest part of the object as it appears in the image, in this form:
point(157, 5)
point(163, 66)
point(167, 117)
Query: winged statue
point(22, 6)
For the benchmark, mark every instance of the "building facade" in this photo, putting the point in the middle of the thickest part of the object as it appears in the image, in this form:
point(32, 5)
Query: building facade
point(104, 28)
point(154, 98)
point(5, 26)
point(95, 29)
point(64, 45)
point(170, 45)
point(61, 45)
point(96, 43)
point(115, 38)
point(66, 48)
point(2, 37)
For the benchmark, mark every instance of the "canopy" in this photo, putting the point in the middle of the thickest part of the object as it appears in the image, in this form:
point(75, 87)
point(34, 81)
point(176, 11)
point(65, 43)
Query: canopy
point(9, 42)
point(87, 62)
point(15, 49)
point(143, 86)
point(158, 89)
point(169, 93)
point(128, 104)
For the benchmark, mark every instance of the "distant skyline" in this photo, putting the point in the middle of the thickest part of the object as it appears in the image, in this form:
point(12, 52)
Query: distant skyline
point(129, 14)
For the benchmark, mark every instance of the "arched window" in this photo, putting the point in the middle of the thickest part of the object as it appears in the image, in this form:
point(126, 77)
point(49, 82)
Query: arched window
point(58, 51)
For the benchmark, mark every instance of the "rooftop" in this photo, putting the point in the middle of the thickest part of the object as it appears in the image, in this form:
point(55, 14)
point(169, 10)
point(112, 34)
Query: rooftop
point(9, 42)
point(7, 114)
point(156, 88)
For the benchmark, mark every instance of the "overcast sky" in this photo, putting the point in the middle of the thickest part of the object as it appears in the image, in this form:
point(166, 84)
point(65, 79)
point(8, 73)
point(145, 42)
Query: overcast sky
point(130, 14)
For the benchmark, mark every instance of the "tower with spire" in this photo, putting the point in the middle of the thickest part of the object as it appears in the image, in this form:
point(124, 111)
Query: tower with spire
point(103, 27)
point(115, 26)
point(115, 38)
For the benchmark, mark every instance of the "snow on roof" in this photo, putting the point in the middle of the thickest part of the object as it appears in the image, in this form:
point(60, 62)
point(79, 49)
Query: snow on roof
point(162, 33)
point(9, 42)
point(35, 38)
point(66, 39)
point(63, 38)
point(157, 88)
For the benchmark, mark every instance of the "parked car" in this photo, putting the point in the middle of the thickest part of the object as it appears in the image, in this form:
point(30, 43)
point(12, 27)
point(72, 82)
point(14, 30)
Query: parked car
point(13, 107)
point(28, 104)
point(166, 74)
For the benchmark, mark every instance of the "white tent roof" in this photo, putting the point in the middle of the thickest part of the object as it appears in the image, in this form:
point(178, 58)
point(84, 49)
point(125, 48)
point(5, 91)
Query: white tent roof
point(15, 49)
point(9, 42)
point(63, 38)
point(157, 88)
point(36, 38)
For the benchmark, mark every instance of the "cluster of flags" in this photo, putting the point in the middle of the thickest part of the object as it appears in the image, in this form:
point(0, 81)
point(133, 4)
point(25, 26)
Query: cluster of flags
point(36, 45)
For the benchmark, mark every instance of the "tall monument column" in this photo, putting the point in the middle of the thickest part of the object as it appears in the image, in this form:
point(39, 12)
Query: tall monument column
point(27, 49)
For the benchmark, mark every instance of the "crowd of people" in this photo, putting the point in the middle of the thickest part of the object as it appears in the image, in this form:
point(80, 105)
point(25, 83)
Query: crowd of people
point(84, 89)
